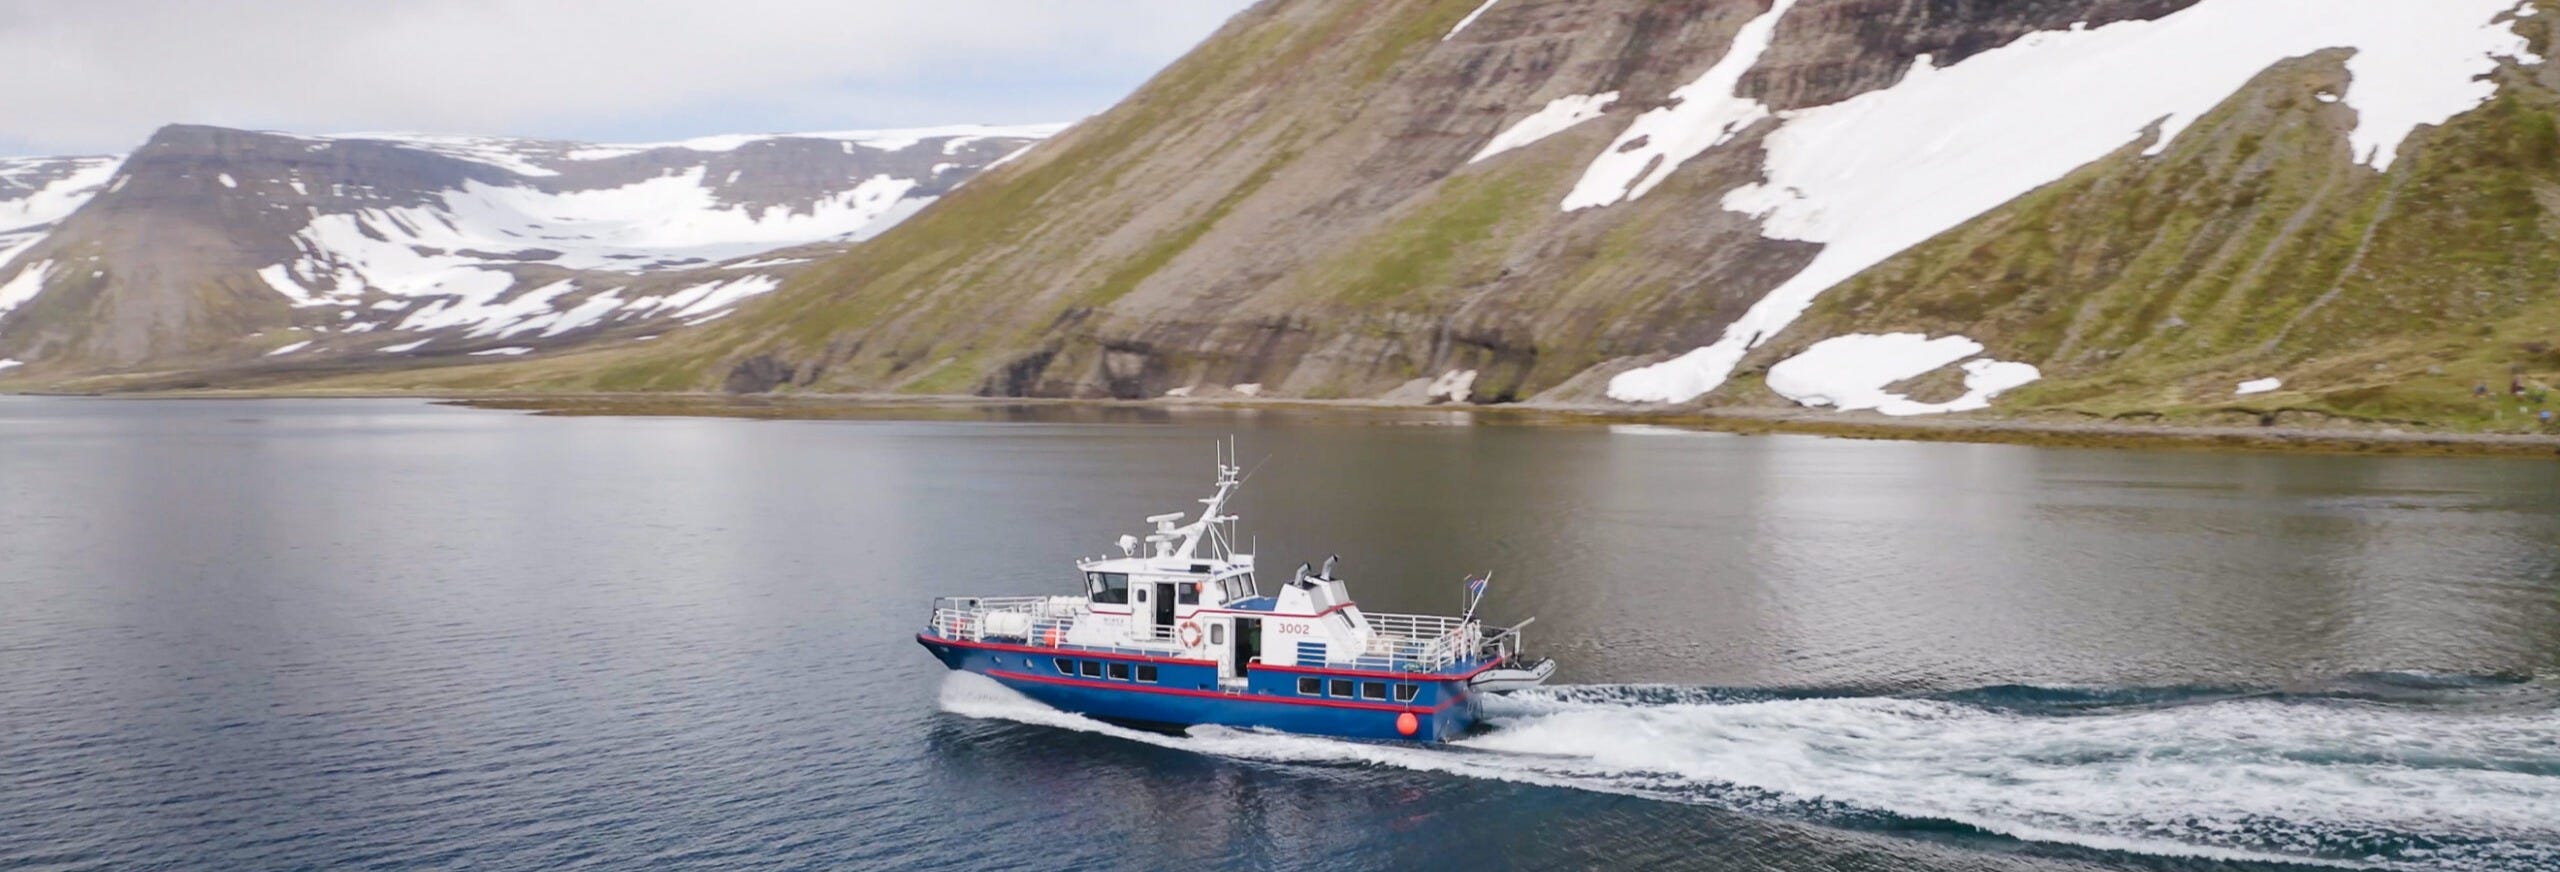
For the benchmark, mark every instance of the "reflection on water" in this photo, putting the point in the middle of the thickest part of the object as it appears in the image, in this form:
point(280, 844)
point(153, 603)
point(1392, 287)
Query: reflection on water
point(370, 633)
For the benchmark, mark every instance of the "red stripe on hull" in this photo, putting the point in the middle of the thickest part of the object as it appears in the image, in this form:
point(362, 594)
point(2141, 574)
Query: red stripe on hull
point(931, 639)
point(1212, 694)
point(1379, 673)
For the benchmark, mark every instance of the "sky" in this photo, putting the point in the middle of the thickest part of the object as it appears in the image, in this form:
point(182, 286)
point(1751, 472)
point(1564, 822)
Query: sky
point(97, 76)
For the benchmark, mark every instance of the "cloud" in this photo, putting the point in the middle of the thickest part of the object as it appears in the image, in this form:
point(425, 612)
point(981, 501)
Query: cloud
point(98, 75)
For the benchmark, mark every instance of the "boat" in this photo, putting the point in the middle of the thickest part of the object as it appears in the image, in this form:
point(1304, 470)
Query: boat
point(1177, 631)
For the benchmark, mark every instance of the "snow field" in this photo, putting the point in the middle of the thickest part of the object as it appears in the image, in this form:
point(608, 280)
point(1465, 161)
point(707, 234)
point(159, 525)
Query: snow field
point(1850, 373)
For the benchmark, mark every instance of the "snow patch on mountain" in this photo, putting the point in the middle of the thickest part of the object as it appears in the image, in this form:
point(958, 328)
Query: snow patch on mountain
point(961, 135)
point(1454, 386)
point(760, 263)
point(587, 312)
point(36, 192)
point(1559, 114)
point(453, 250)
point(1470, 19)
point(24, 286)
point(1852, 372)
point(1876, 174)
point(2257, 386)
point(1703, 114)
point(714, 296)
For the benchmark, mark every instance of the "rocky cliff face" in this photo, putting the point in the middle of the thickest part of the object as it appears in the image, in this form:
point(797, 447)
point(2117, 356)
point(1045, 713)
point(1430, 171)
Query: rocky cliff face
point(212, 249)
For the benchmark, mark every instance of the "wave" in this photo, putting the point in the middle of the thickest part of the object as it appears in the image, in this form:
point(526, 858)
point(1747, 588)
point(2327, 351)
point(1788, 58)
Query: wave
point(2388, 771)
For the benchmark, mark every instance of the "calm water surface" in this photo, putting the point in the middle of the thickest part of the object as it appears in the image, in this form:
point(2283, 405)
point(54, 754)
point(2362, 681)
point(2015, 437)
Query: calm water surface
point(387, 635)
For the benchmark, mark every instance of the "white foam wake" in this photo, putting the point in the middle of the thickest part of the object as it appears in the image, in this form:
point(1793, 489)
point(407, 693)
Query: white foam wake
point(2339, 782)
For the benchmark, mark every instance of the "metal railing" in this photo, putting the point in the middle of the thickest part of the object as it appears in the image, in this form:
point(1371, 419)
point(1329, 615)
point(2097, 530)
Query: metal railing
point(1502, 644)
point(1003, 618)
point(1417, 643)
point(1038, 621)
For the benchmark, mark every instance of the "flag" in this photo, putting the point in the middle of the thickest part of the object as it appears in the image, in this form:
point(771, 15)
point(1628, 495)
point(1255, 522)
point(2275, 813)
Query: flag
point(1476, 584)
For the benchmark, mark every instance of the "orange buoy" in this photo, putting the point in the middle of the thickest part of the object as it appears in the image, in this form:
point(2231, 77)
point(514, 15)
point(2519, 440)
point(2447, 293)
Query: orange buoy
point(1406, 723)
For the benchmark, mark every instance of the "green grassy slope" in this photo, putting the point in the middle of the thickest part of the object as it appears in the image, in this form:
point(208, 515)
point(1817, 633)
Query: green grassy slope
point(2256, 247)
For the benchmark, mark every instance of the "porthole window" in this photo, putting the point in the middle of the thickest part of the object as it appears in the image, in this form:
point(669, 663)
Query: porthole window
point(1373, 690)
point(1342, 688)
point(1092, 669)
point(1311, 687)
point(1406, 692)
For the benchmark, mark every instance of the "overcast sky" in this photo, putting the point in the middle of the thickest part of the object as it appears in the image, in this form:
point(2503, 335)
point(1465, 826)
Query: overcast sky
point(81, 76)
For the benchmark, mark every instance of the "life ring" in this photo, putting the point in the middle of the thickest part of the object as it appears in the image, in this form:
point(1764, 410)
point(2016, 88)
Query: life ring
point(1190, 634)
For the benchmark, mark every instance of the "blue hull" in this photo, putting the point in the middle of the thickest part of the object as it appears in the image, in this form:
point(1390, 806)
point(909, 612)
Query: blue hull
point(1186, 692)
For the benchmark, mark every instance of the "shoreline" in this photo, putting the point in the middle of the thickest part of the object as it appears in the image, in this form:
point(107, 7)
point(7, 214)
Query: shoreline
point(2045, 430)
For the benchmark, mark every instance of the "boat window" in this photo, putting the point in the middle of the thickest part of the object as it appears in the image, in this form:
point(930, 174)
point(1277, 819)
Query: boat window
point(1092, 669)
point(1119, 672)
point(1311, 687)
point(1373, 690)
point(1066, 666)
point(1142, 594)
point(1108, 588)
point(1342, 688)
point(1217, 634)
point(1406, 692)
point(1146, 674)
point(1187, 594)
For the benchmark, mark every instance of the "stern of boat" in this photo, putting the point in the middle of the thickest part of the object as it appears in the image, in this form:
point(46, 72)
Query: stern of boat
point(1513, 669)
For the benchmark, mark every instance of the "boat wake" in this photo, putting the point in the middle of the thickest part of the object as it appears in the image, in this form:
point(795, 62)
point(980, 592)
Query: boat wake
point(2379, 771)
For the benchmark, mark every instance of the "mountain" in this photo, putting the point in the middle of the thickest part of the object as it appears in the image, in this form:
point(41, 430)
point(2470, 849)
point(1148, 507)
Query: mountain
point(2187, 209)
point(210, 249)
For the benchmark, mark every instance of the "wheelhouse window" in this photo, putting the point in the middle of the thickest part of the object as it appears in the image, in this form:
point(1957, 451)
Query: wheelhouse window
point(1092, 669)
point(1119, 672)
point(1373, 690)
point(1342, 688)
point(1187, 593)
point(1406, 692)
point(1066, 666)
point(1107, 588)
point(1146, 673)
point(1310, 687)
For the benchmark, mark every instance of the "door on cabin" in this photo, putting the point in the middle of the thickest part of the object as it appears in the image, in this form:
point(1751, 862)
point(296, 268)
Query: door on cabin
point(1248, 645)
point(1164, 611)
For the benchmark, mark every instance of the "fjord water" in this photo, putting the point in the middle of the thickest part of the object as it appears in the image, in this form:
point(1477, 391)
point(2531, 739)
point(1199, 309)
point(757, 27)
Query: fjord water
point(388, 635)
